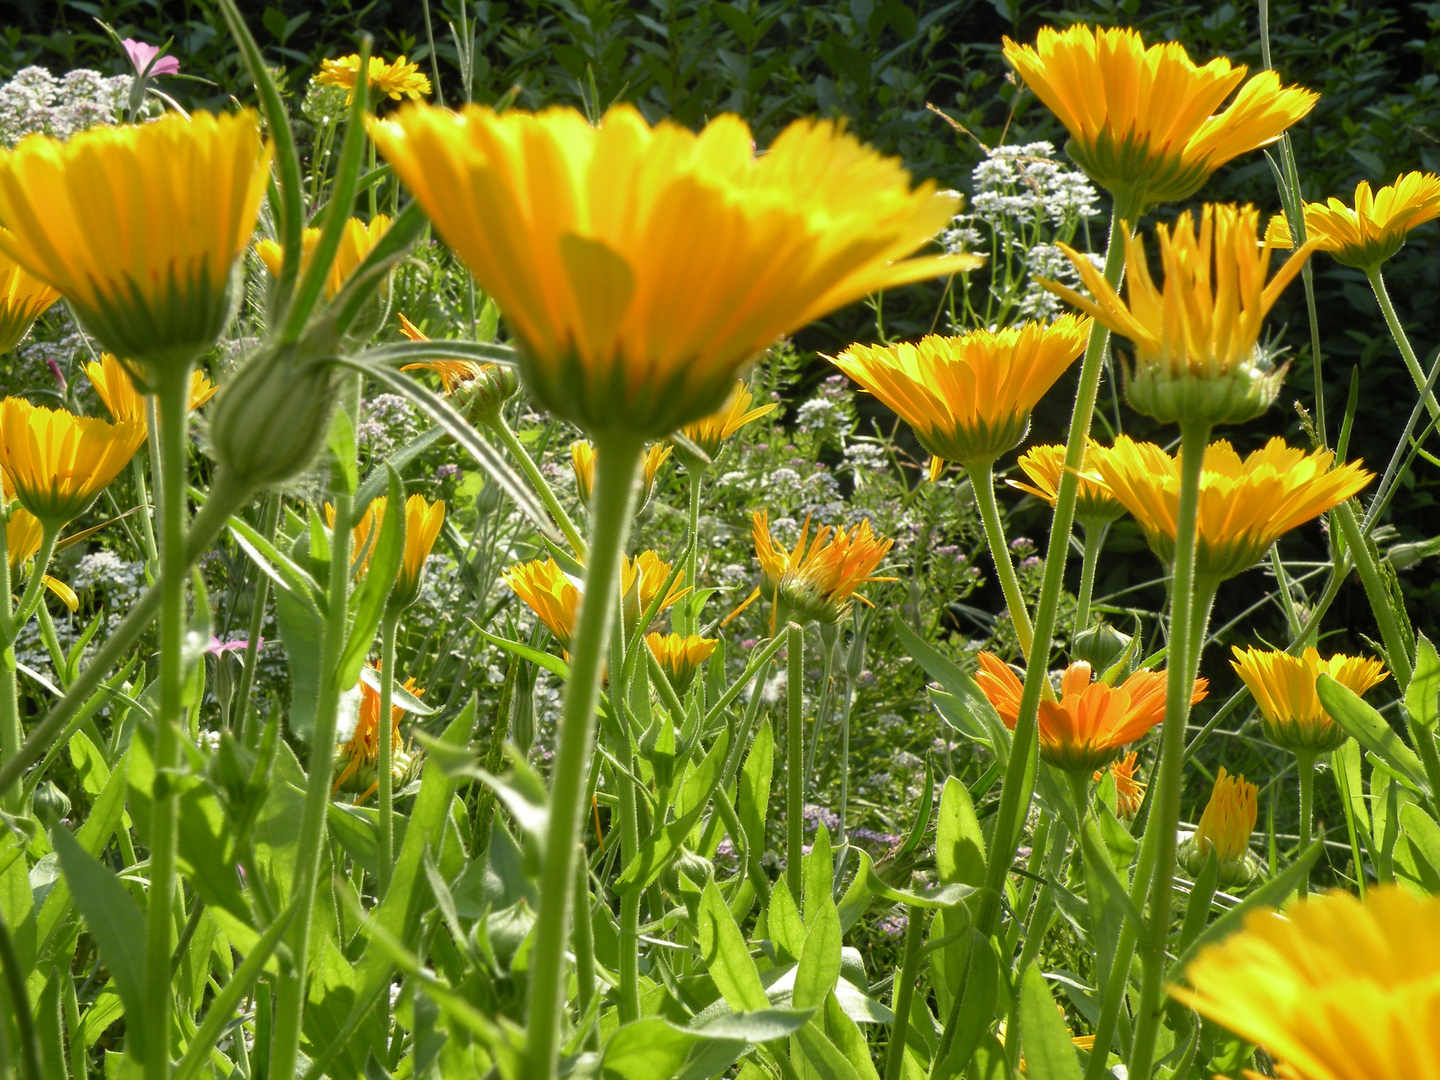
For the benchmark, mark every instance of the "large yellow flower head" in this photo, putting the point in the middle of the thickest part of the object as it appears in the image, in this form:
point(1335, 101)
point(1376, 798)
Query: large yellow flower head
point(56, 462)
point(549, 592)
point(1225, 826)
point(680, 656)
point(969, 398)
point(1284, 688)
point(819, 578)
point(1143, 121)
point(116, 389)
point(23, 299)
point(640, 267)
point(1246, 504)
point(356, 242)
point(1364, 237)
point(1095, 506)
point(139, 228)
point(397, 78)
point(710, 432)
point(643, 579)
point(1335, 988)
point(1197, 353)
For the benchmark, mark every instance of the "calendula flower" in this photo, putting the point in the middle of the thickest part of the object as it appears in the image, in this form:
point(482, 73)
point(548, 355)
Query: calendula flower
point(423, 521)
point(1335, 988)
point(397, 78)
point(969, 398)
point(356, 242)
point(1094, 506)
point(710, 433)
point(1129, 789)
point(116, 389)
point(642, 580)
point(139, 227)
point(819, 578)
point(359, 755)
point(549, 592)
point(479, 389)
point(57, 462)
point(640, 267)
point(1245, 504)
point(23, 299)
point(1225, 827)
point(1197, 353)
point(363, 533)
point(1091, 723)
point(1284, 687)
point(680, 655)
point(582, 463)
point(1364, 237)
point(1143, 121)
point(23, 536)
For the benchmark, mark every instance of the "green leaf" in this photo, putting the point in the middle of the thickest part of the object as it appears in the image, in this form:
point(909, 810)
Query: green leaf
point(756, 1026)
point(1422, 696)
point(302, 633)
point(345, 475)
point(369, 600)
point(1049, 1053)
point(1423, 832)
point(942, 896)
point(1370, 730)
point(647, 1049)
point(819, 967)
point(727, 959)
point(959, 842)
point(538, 657)
point(963, 691)
point(922, 813)
point(977, 1008)
point(782, 917)
point(818, 874)
point(753, 798)
point(824, 1057)
point(287, 575)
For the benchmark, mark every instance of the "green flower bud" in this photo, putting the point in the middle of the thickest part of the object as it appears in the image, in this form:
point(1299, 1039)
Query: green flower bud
point(49, 804)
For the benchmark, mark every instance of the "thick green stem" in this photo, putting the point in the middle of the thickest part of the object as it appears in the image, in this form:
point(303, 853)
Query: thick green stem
point(584, 936)
point(687, 624)
point(1375, 591)
point(629, 807)
point(1402, 340)
point(1305, 766)
point(173, 407)
point(1184, 658)
point(617, 463)
point(1094, 541)
point(905, 991)
point(982, 481)
point(541, 485)
point(794, 759)
point(35, 586)
point(385, 745)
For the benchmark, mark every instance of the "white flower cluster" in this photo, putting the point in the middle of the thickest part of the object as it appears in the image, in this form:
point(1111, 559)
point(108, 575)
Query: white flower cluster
point(1048, 261)
point(36, 101)
point(1023, 182)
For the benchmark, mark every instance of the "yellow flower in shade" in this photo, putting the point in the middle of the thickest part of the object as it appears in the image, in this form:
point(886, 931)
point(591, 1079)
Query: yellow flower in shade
point(359, 755)
point(1143, 121)
point(23, 536)
point(549, 592)
point(356, 243)
point(423, 521)
point(710, 433)
point(818, 579)
point(363, 533)
point(1044, 464)
point(1225, 827)
point(1284, 687)
point(680, 655)
point(57, 462)
point(1129, 789)
point(117, 390)
point(642, 580)
point(23, 299)
point(1197, 353)
point(1246, 504)
point(582, 463)
point(139, 228)
point(1335, 988)
point(480, 389)
point(969, 398)
point(1364, 237)
point(1091, 723)
point(640, 267)
point(398, 78)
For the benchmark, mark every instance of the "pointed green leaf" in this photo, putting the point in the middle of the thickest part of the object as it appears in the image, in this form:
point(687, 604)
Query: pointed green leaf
point(727, 959)
point(959, 843)
point(1370, 730)
point(1049, 1053)
point(1422, 696)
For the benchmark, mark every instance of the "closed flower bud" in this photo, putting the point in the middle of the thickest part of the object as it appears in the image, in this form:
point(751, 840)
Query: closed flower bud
point(1100, 646)
point(50, 804)
point(1225, 828)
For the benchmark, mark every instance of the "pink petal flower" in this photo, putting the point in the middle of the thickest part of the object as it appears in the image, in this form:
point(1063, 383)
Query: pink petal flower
point(141, 55)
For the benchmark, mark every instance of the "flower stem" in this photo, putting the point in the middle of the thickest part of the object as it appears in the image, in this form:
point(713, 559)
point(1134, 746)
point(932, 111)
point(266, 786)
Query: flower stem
point(795, 759)
point(905, 991)
point(385, 744)
point(982, 481)
point(1402, 340)
point(261, 595)
point(540, 484)
point(1184, 658)
point(687, 624)
point(1305, 766)
point(1396, 645)
point(617, 461)
point(1094, 541)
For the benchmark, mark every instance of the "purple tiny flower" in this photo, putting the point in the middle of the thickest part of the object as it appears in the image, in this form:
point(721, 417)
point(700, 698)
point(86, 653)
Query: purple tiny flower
point(446, 471)
point(141, 55)
point(59, 375)
point(894, 926)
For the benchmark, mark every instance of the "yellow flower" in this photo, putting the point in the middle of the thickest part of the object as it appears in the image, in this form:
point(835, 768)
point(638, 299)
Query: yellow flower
point(818, 579)
point(1374, 230)
point(363, 533)
point(1335, 988)
point(396, 78)
point(1129, 789)
point(582, 463)
point(680, 656)
point(549, 592)
point(23, 299)
point(360, 754)
point(644, 578)
point(356, 242)
point(139, 227)
point(1143, 122)
point(480, 388)
point(1044, 464)
point(710, 433)
point(23, 537)
point(423, 521)
point(640, 267)
point(1225, 827)
point(1197, 355)
point(1245, 504)
point(117, 390)
point(1284, 688)
point(57, 462)
point(969, 398)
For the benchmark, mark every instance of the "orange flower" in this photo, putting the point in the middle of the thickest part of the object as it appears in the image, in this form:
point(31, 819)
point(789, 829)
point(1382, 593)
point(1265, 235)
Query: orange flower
point(819, 583)
point(1129, 792)
point(360, 754)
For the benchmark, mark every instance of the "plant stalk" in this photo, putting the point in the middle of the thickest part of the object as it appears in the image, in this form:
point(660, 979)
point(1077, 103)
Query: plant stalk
point(794, 758)
point(905, 991)
point(1402, 340)
point(982, 481)
point(1094, 541)
point(1305, 766)
point(541, 485)
point(385, 745)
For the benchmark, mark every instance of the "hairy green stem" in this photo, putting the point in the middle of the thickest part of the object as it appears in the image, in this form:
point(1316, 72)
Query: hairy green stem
point(617, 463)
point(905, 991)
point(1305, 766)
point(385, 745)
point(1402, 340)
point(584, 936)
point(15, 977)
point(240, 715)
point(794, 758)
point(687, 624)
point(1380, 604)
point(982, 481)
point(541, 485)
point(1094, 541)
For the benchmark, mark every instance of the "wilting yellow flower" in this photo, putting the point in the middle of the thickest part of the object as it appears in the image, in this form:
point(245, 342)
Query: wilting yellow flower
point(23, 299)
point(1335, 988)
point(710, 433)
point(969, 398)
point(549, 592)
point(1095, 505)
point(1245, 504)
point(423, 521)
point(23, 536)
point(1225, 827)
point(1142, 122)
point(1129, 789)
point(818, 579)
point(356, 243)
point(57, 462)
point(1284, 688)
point(116, 389)
point(138, 227)
point(480, 389)
point(396, 78)
point(582, 463)
point(640, 267)
point(1091, 723)
point(1374, 230)
point(359, 755)
point(1197, 354)
point(680, 655)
